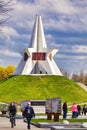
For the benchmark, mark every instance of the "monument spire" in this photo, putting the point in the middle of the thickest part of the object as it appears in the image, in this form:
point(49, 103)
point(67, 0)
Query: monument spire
point(37, 58)
point(38, 39)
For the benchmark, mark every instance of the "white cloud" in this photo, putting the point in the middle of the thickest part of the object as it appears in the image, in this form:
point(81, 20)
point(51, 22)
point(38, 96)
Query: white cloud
point(71, 57)
point(9, 31)
point(62, 6)
point(9, 53)
point(68, 16)
point(79, 48)
point(72, 52)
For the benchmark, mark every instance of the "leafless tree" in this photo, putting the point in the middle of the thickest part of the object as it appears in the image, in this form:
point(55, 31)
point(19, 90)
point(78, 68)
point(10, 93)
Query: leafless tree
point(81, 77)
point(65, 73)
point(5, 7)
point(75, 77)
point(85, 79)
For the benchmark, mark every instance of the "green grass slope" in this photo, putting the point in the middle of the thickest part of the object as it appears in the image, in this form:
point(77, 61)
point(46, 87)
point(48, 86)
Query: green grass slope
point(23, 87)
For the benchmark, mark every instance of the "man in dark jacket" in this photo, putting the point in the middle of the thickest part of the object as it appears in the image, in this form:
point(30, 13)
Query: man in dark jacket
point(29, 113)
point(64, 110)
point(12, 111)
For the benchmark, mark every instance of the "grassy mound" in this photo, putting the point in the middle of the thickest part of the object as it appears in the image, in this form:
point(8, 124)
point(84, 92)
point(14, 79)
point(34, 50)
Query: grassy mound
point(25, 87)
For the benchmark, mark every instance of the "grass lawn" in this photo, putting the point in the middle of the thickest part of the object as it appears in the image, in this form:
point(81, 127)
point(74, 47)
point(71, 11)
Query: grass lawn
point(28, 87)
point(76, 120)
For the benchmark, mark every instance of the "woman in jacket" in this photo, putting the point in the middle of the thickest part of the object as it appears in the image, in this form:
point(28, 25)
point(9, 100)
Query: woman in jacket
point(74, 110)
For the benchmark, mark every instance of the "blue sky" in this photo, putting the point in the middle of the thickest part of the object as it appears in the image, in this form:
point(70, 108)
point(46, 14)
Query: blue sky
point(65, 27)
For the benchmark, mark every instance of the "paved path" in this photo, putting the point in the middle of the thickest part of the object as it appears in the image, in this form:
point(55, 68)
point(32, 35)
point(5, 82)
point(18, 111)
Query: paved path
point(83, 86)
point(20, 125)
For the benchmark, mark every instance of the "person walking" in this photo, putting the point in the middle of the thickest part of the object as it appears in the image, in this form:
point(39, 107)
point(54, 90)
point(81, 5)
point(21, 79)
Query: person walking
point(64, 110)
point(13, 111)
point(29, 113)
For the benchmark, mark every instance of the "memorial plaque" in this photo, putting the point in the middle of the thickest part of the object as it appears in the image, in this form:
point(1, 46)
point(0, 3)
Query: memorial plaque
point(56, 105)
point(33, 103)
point(53, 106)
point(48, 105)
point(38, 56)
point(37, 103)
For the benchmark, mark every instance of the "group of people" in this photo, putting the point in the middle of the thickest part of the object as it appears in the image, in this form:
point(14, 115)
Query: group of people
point(76, 110)
point(28, 112)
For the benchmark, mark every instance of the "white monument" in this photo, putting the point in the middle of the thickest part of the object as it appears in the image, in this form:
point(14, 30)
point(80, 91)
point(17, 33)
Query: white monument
point(37, 58)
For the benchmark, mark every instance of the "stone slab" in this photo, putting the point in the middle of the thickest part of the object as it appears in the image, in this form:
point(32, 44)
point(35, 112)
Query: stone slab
point(63, 128)
point(48, 125)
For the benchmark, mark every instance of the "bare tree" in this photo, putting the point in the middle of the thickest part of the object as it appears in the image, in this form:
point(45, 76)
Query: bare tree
point(5, 7)
point(65, 73)
point(85, 79)
point(75, 77)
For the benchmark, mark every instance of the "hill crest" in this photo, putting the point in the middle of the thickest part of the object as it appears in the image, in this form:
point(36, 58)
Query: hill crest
point(25, 87)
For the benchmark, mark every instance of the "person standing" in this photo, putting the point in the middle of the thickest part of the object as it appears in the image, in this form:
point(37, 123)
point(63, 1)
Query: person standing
point(64, 110)
point(79, 109)
point(74, 110)
point(13, 111)
point(29, 113)
point(84, 110)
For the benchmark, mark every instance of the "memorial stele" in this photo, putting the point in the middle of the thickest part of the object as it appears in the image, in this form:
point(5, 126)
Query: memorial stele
point(37, 58)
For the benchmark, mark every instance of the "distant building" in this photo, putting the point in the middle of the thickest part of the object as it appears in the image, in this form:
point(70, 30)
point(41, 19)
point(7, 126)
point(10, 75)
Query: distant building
point(38, 59)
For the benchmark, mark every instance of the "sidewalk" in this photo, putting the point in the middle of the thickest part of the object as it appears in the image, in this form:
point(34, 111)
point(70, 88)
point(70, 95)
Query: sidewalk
point(20, 125)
